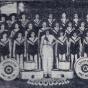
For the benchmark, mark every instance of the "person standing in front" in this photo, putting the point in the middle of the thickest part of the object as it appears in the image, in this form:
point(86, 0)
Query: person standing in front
point(46, 51)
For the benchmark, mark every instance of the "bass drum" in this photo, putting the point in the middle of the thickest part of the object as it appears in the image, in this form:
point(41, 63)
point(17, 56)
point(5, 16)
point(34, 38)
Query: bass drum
point(81, 67)
point(64, 65)
point(29, 65)
point(9, 69)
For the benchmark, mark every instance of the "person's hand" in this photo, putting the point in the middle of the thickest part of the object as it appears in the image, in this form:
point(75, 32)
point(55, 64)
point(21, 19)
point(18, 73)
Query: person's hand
point(3, 45)
point(41, 54)
point(80, 54)
point(25, 55)
point(9, 55)
point(67, 54)
point(13, 55)
point(55, 55)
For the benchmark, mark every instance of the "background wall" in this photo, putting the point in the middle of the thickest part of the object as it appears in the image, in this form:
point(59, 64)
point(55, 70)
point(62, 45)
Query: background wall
point(56, 7)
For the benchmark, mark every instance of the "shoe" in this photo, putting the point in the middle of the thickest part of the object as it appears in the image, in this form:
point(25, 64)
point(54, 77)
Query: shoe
point(45, 75)
point(49, 75)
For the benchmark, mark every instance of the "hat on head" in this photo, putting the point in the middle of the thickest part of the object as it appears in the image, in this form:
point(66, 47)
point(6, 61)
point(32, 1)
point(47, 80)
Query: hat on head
point(12, 14)
point(3, 15)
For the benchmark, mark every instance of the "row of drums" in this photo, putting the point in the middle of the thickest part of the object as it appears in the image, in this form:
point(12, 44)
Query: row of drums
point(62, 65)
point(10, 69)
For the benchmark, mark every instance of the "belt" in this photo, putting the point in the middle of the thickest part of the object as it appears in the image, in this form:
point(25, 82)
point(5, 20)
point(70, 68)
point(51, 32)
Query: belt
point(47, 44)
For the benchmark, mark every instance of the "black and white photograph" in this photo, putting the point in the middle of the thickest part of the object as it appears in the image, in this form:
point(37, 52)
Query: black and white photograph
point(43, 43)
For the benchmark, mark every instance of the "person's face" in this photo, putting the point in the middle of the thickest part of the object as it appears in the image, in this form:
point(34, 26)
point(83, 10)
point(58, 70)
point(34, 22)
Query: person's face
point(74, 34)
point(3, 18)
point(57, 24)
point(87, 16)
point(44, 24)
point(13, 18)
point(30, 26)
point(19, 35)
point(2, 26)
point(50, 16)
point(82, 24)
point(23, 16)
point(16, 26)
point(69, 24)
point(5, 36)
point(32, 34)
point(64, 15)
point(47, 32)
point(76, 16)
point(61, 34)
point(37, 16)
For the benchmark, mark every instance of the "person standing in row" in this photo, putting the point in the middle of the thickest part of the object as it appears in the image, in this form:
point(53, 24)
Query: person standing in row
point(50, 20)
point(32, 48)
point(4, 46)
point(61, 47)
point(46, 51)
point(85, 43)
point(13, 36)
point(27, 35)
point(63, 21)
point(12, 19)
point(19, 49)
point(24, 21)
point(76, 21)
point(75, 47)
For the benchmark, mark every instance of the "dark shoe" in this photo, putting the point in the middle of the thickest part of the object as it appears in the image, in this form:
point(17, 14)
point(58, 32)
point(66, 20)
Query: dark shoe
point(45, 75)
point(49, 75)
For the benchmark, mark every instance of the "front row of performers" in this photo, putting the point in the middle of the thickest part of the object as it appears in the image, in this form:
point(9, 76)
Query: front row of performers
point(48, 45)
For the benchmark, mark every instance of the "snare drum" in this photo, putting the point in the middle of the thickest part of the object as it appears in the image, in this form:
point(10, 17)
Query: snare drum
point(29, 65)
point(64, 65)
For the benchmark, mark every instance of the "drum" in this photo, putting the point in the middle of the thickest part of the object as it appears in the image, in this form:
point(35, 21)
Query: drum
point(56, 73)
point(64, 65)
point(9, 69)
point(81, 67)
point(31, 75)
point(29, 65)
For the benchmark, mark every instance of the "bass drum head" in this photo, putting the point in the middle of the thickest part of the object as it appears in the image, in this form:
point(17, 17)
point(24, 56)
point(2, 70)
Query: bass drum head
point(64, 65)
point(81, 68)
point(9, 69)
point(77, 61)
point(29, 65)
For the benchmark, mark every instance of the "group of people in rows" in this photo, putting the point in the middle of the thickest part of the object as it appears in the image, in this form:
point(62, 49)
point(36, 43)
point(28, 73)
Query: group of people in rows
point(47, 39)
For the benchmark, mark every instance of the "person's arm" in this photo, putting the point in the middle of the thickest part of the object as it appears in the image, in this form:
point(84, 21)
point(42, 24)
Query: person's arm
point(14, 47)
point(30, 42)
point(41, 46)
point(85, 41)
point(24, 49)
point(10, 48)
point(72, 41)
point(69, 46)
point(25, 42)
point(56, 48)
point(80, 47)
point(46, 28)
point(26, 34)
point(67, 43)
point(77, 39)
point(58, 41)
point(53, 43)
point(7, 41)
point(64, 39)
point(2, 43)
point(22, 40)
point(35, 39)
point(39, 40)
point(11, 35)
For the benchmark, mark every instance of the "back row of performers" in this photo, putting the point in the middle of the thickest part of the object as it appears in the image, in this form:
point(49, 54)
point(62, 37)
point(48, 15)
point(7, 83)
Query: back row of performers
point(61, 40)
